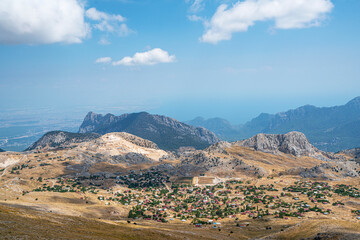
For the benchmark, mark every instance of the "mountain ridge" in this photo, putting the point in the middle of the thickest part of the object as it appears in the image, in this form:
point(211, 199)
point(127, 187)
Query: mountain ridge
point(328, 128)
point(166, 132)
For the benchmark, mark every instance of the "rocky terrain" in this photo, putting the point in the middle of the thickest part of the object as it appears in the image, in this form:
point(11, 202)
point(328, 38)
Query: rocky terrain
point(118, 184)
point(60, 139)
point(328, 128)
point(167, 133)
point(294, 143)
point(259, 155)
point(354, 153)
point(332, 170)
point(264, 155)
point(122, 145)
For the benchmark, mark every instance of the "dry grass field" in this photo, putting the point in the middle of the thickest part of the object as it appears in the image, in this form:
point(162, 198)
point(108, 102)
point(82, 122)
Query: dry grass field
point(81, 215)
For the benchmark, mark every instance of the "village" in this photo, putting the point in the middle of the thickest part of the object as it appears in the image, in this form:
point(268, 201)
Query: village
point(151, 196)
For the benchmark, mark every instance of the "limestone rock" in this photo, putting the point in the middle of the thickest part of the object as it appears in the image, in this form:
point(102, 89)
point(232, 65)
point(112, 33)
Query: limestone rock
point(61, 139)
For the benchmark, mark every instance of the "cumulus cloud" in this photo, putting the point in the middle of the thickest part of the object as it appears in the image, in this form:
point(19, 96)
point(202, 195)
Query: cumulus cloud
point(42, 22)
point(150, 57)
point(103, 60)
point(287, 14)
point(54, 21)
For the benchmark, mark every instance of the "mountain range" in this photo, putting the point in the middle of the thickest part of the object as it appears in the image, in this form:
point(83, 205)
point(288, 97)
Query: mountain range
point(328, 128)
point(260, 155)
point(167, 133)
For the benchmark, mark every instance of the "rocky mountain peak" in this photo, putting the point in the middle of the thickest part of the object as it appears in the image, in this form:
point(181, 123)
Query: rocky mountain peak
point(354, 102)
point(61, 139)
point(294, 143)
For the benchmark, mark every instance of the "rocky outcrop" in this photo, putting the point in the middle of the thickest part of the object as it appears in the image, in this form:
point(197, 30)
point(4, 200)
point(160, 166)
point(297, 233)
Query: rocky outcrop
point(136, 140)
point(332, 170)
point(132, 158)
point(2, 150)
point(167, 133)
point(354, 153)
point(294, 143)
point(219, 147)
point(60, 139)
point(123, 147)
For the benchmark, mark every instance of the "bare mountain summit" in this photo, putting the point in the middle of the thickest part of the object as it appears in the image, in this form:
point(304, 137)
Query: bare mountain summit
point(167, 133)
point(60, 139)
point(294, 143)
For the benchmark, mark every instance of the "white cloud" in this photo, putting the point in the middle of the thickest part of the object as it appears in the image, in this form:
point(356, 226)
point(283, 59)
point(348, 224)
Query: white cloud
point(42, 22)
point(287, 14)
point(103, 60)
point(195, 18)
point(96, 15)
point(150, 57)
point(112, 23)
point(104, 41)
point(124, 30)
point(196, 5)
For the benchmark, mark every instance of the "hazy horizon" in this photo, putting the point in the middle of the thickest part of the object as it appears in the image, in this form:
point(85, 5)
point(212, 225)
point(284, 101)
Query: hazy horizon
point(181, 59)
point(178, 58)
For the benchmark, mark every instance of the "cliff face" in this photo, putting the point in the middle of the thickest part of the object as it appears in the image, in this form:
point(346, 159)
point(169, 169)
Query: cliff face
point(60, 139)
point(167, 133)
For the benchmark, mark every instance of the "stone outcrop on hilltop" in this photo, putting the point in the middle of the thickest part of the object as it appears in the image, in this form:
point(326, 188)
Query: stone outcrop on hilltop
point(135, 140)
point(123, 147)
point(167, 133)
point(294, 143)
point(61, 139)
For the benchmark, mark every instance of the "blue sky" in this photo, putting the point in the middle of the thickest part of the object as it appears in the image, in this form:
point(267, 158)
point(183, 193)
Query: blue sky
point(221, 65)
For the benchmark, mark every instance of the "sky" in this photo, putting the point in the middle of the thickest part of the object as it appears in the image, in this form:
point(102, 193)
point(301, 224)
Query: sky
point(180, 58)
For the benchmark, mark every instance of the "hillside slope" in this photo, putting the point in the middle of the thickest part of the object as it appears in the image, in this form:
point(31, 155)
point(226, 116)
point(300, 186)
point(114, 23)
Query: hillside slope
point(60, 139)
point(167, 133)
point(354, 153)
